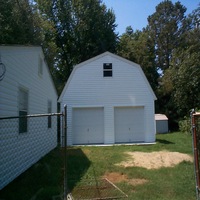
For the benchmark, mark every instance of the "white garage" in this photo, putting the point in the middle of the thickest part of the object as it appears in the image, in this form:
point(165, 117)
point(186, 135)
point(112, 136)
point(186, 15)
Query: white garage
point(129, 124)
point(109, 100)
point(88, 125)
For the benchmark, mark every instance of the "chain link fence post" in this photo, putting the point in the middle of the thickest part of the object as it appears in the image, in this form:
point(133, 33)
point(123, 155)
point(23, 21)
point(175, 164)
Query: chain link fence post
point(65, 151)
point(67, 196)
point(195, 132)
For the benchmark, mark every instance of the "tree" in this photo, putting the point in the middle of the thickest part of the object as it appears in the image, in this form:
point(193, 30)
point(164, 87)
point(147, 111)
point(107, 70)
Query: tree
point(83, 29)
point(18, 24)
point(184, 74)
point(138, 47)
point(166, 27)
point(94, 28)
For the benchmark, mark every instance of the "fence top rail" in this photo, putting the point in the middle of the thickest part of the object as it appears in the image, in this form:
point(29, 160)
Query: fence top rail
point(34, 115)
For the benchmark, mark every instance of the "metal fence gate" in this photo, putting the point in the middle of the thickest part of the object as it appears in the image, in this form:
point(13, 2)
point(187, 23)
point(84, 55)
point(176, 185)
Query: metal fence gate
point(30, 144)
point(195, 122)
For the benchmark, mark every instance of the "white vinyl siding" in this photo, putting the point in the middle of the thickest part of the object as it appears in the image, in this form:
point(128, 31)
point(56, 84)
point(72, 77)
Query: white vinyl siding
point(162, 126)
point(21, 64)
point(22, 70)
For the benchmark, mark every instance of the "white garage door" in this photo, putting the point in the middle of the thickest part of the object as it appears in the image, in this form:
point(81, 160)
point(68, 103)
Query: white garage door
point(88, 126)
point(129, 124)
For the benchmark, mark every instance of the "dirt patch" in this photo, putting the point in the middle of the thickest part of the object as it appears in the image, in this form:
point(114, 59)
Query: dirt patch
point(86, 151)
point(117, 177)
point(155, 160)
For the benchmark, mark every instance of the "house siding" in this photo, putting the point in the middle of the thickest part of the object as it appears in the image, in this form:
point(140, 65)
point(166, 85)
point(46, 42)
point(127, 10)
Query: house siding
point(22, 71)
point(127, 87)
point(20, 151)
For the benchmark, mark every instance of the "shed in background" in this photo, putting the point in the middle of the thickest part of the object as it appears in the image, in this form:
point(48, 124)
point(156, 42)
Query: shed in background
point(161, 123)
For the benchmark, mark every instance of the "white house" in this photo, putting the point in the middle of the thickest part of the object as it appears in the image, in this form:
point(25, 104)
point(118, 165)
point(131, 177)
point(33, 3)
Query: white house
point(26, 87)
point(109, 100)
point(161, 123)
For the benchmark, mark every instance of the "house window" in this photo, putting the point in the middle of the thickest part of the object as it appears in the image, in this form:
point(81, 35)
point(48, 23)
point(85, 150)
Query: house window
point(107, 69)
point(40, 66)
point(49, 110)
point(23, 110)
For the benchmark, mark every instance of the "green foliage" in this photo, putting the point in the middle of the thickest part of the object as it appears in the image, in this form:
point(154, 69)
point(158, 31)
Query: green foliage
point(19, 23)
point(167, 52)
point(185, 125)
point(72, 31)
point(94, 28)
point(176, 45)
point(138, 47)
point(83, 29)
point(166, 28)
point(182, 79)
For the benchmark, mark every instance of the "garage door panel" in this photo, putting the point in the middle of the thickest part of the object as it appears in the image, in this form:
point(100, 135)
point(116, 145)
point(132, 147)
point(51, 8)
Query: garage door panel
point(129, 124)
point(88, 125)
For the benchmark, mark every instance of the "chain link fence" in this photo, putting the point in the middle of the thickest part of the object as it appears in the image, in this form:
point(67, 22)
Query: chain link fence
point(31, 157)
point(36, 164)
point(95, 189)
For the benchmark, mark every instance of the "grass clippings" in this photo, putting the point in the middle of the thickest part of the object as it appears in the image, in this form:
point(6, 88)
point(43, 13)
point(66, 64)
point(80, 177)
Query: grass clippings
point(155, 160)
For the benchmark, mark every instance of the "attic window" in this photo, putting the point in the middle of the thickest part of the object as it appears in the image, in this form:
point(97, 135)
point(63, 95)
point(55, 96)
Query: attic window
point(107, 69)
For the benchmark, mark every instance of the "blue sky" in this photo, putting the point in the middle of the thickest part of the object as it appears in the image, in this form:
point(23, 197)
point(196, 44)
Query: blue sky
point(135, 12)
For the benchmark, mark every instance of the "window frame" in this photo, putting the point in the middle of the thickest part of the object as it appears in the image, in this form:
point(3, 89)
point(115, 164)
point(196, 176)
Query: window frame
point(107, 70)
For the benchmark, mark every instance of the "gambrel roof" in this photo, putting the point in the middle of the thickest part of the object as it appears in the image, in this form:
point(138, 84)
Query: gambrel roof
point(101, 56)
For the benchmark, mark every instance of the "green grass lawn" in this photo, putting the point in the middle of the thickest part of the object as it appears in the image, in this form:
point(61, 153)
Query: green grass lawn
point(90, 163)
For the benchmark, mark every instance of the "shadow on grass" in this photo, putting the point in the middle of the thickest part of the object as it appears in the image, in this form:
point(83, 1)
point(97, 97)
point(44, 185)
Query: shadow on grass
point(77, 166)
point(164, 141)
point(41, 181)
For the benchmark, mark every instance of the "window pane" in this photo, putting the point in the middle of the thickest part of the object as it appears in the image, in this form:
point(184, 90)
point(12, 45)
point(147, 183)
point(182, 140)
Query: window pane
point(23, 122)
point(107, 73)
point(23, 110)
point(49, 121)
point(107, 66)
point(49, 111)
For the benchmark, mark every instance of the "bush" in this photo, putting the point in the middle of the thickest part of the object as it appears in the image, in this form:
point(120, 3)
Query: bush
point(185, 125)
